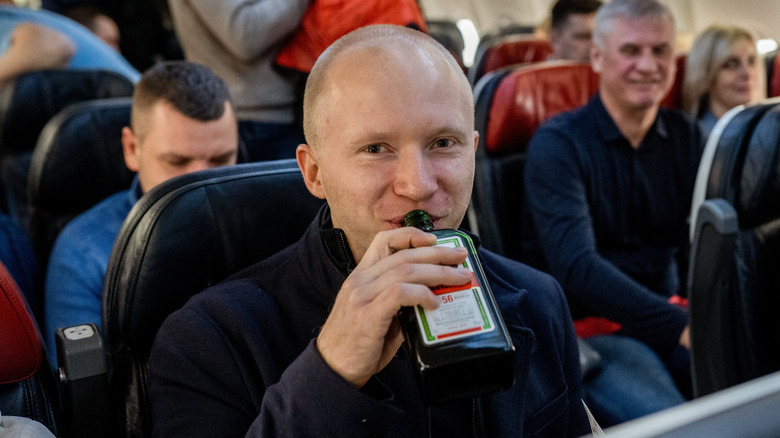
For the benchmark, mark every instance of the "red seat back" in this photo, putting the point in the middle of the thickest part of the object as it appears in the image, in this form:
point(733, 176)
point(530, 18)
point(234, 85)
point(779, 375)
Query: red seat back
point(21, 352)
point(530, 95)
point(773, 74)
point(509, 50)
point(515, 49)
point(510, 106)
point(26, 384)
point(673, 99)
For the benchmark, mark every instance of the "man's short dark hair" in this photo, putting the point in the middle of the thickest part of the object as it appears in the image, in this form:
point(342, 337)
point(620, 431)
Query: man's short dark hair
point(564, 8)
point(192, 89)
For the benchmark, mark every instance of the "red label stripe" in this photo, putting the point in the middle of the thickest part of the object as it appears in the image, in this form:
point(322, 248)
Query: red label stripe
point(442, 289)
point(460, 332)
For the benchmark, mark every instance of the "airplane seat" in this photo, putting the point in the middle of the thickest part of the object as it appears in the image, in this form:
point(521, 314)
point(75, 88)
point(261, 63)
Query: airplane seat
point(504, 29)
point(77, 162)
point(510, 103)
point(509, 106)
point(26, 387)
point(733, 279)
point(185, 235)
point(26, 103)
point(507, 50)
point(772, 65)
point(673, 98)
point(449, 36)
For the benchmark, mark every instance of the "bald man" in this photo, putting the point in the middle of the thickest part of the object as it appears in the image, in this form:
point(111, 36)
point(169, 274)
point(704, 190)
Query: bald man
point(307, 343)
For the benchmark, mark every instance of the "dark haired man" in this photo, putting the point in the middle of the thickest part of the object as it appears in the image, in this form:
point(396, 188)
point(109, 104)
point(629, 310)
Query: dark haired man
point(571, 29)
point(181, 121)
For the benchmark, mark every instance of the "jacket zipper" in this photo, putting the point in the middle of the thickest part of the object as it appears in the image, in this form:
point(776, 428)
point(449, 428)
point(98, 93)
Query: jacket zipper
point(474, 417)
point(428, 431)
point(347, 251)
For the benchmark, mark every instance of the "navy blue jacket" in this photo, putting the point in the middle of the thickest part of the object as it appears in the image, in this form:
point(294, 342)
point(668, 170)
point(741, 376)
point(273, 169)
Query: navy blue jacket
point(239, 359)
point(611, 219)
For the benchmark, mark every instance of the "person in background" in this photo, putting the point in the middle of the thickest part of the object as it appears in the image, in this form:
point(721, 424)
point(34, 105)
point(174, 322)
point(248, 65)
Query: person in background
point(239, 41)
point(26, 46)
point(98, 22)
point(571, 29)
point(84, 50)
point(722, 70)
point(31, 47)
point(609, 189)
point(182, 121)
point(306, 343)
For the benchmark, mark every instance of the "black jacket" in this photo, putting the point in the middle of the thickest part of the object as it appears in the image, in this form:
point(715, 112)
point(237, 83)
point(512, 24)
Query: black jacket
point(239, 359)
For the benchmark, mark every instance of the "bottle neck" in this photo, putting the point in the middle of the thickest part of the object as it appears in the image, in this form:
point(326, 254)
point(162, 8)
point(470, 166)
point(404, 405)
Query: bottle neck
point(418, 219)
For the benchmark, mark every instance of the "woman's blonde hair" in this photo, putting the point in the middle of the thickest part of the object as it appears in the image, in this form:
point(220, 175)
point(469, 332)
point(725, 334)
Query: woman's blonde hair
point(708, 53)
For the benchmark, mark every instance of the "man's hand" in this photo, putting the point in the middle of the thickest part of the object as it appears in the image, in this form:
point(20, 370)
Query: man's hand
point(362, 333)
point(685, 337)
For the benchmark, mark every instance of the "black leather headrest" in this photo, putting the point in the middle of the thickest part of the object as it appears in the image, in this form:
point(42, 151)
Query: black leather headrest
point(77, 162)
point(31, 99)
point(730, 152)
point(758, 199)
point(745, 169)
point(192, 232)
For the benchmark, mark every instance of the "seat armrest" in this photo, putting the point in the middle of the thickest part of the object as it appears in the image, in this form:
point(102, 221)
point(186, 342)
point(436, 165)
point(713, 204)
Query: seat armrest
point(710, 269)
point(83, 373)
point(713, 241)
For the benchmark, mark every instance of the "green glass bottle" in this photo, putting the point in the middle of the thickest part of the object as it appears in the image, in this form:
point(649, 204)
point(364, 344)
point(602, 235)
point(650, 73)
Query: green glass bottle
point(462, 349)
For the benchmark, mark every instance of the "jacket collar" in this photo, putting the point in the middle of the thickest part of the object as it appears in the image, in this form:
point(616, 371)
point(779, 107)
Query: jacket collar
point(610, 131)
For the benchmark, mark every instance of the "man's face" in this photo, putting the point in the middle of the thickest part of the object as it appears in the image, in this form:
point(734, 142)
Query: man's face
point(637, 63)
point(574, 39)
point(397, 136)
point(107, 30)
point(175, 144)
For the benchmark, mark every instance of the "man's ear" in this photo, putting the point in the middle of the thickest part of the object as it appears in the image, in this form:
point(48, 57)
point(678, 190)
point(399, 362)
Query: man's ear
point(476, 140)
point(130, 148)
point(310, 168)
point(596, 58)
point(554, 38)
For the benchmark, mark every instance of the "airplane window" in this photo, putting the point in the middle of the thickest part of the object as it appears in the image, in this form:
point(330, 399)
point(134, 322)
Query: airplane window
point(765, 46)
point(470, 40)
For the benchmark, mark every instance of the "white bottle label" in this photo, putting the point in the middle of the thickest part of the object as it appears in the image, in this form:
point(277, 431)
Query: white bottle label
point(462, 312)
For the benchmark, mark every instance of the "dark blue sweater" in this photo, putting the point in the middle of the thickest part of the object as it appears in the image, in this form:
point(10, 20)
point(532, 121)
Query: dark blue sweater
point(240, 359)
point(611, 220)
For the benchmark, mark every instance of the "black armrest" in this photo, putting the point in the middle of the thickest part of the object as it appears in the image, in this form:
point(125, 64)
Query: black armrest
point(590, 359)
point(83, 373)
point(710, 269)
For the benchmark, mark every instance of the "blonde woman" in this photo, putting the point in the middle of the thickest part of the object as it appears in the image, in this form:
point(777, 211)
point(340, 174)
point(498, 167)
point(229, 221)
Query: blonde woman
point(722, 71)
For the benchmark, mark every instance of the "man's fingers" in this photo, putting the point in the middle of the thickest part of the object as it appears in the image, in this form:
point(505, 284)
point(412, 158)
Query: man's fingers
point(431, 255)
point(410, 294)
point(389, 242)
